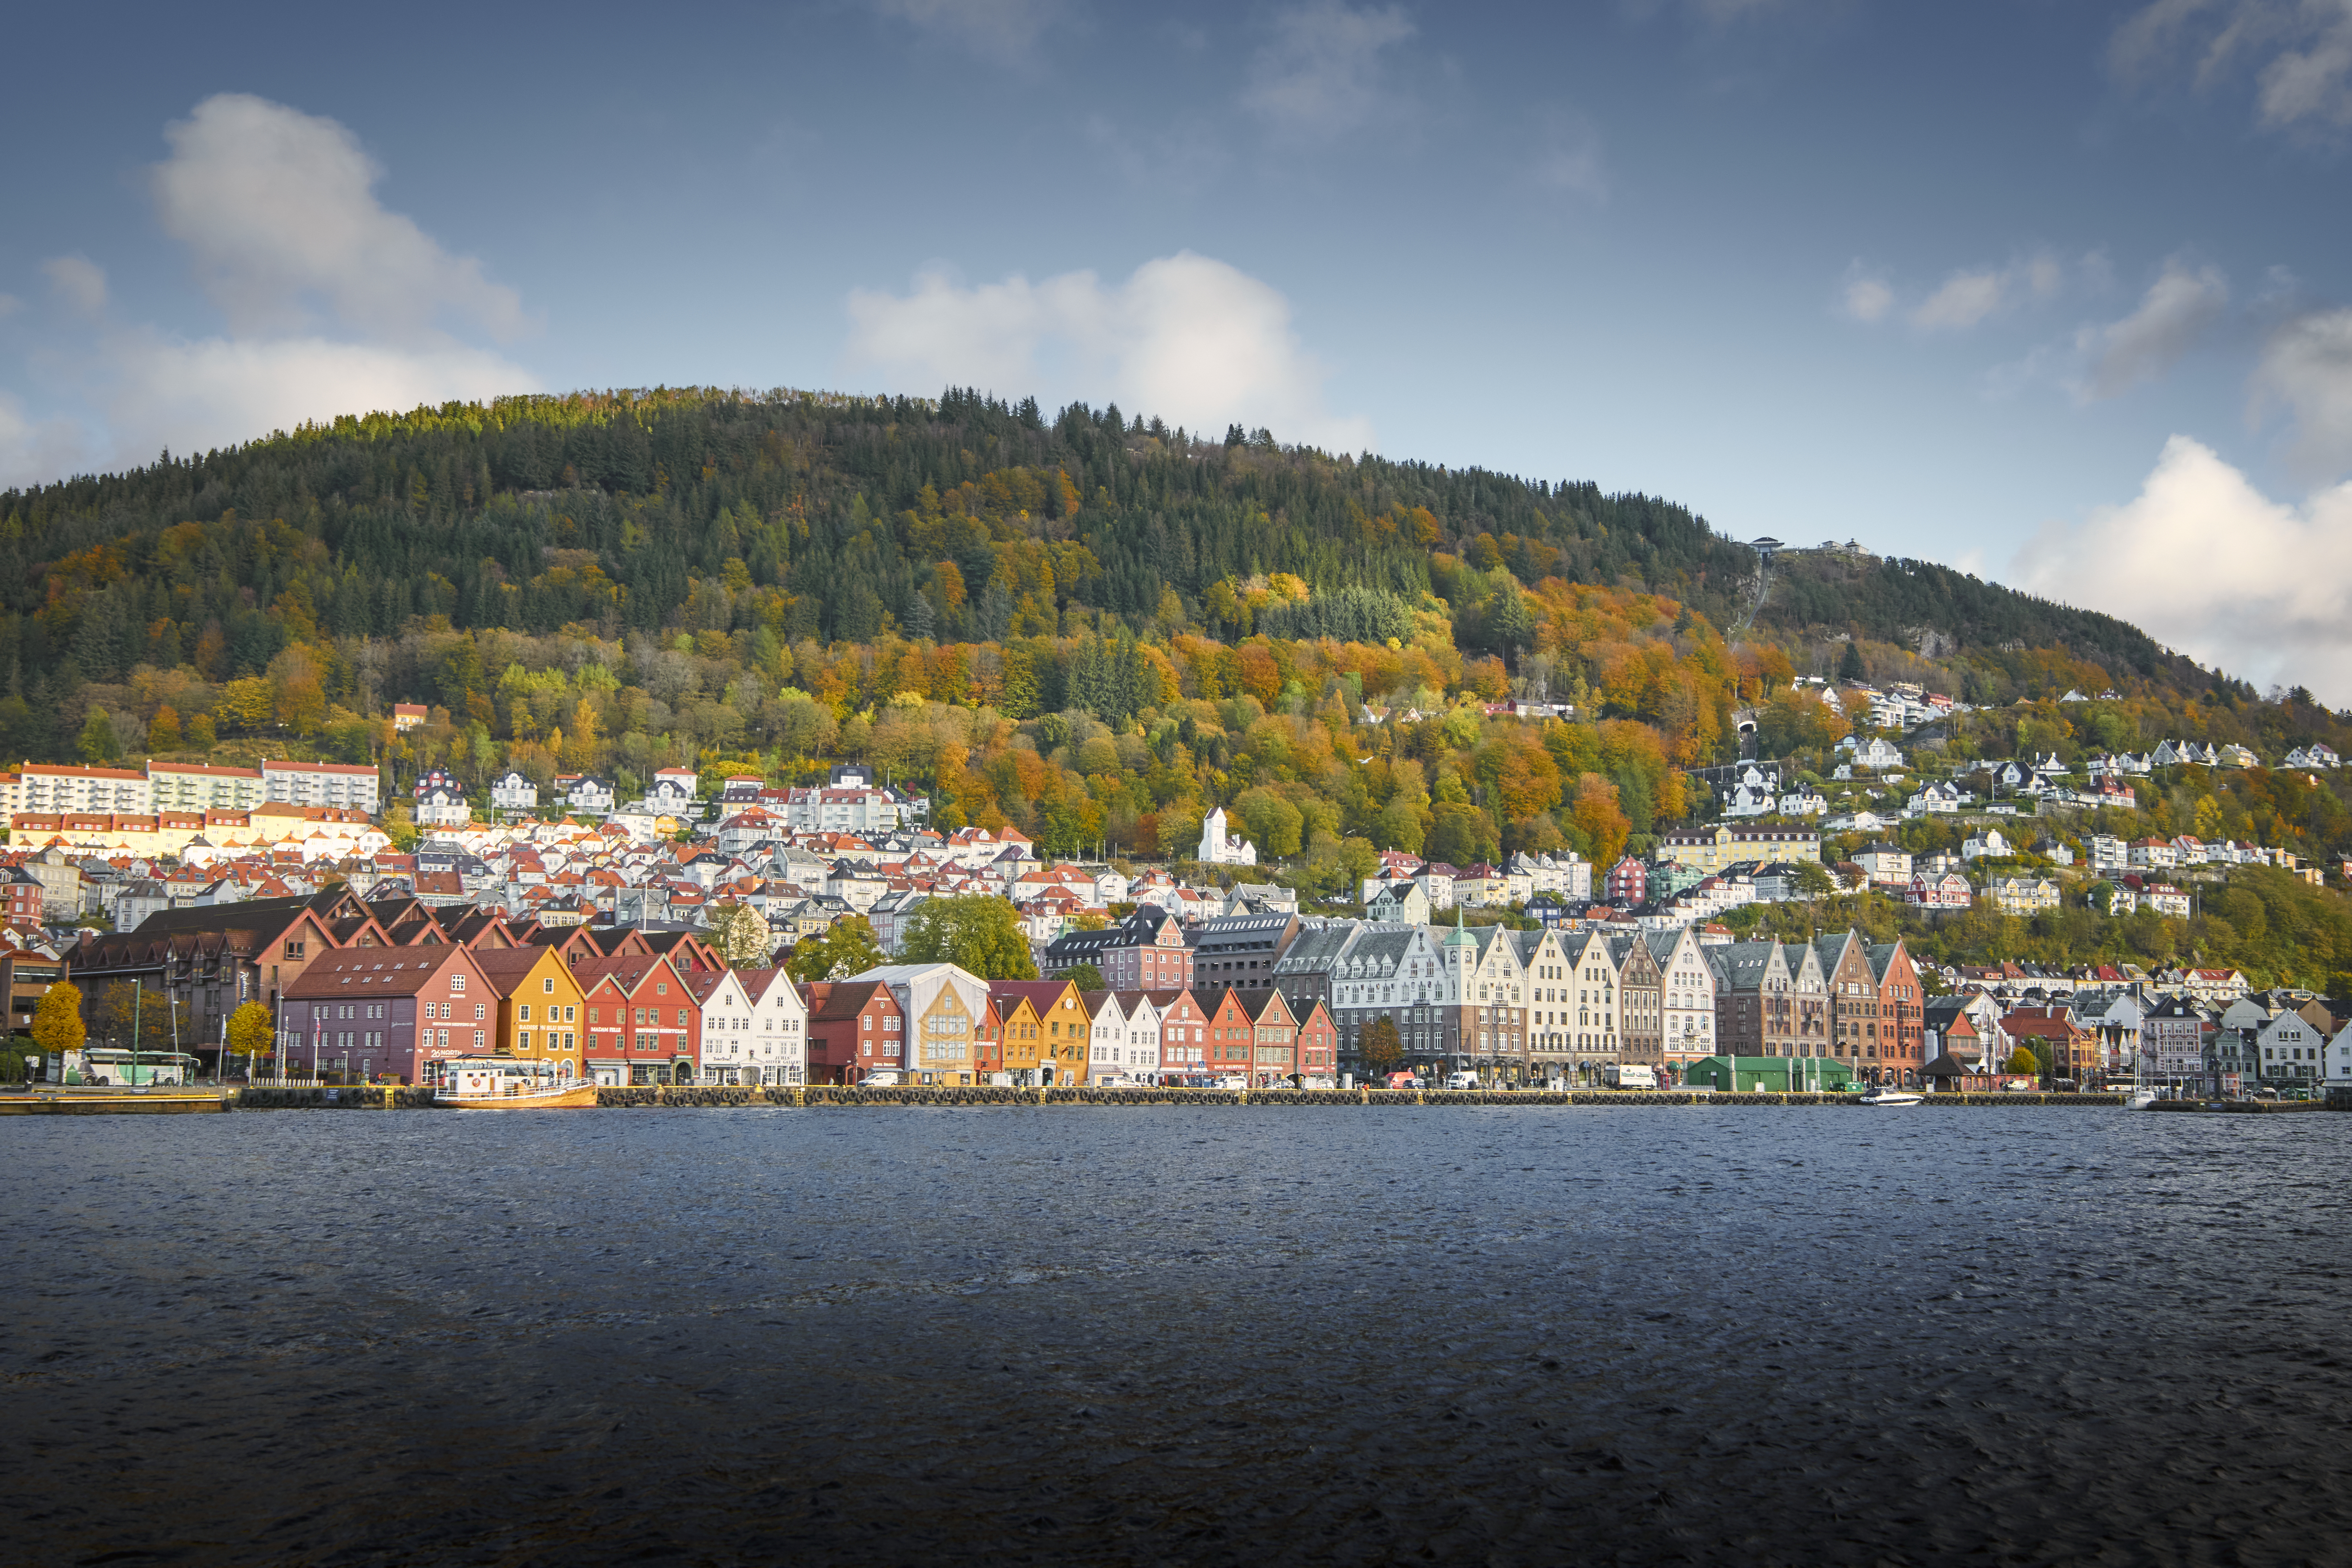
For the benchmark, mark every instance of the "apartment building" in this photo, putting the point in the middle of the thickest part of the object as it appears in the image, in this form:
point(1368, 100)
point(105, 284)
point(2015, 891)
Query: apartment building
point(352, 785)
point(47, 787)
point(200, 786)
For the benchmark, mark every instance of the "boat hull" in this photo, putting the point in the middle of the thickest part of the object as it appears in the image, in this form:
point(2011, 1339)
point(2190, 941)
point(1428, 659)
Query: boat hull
point(1892, 1098)
point(571, 1097)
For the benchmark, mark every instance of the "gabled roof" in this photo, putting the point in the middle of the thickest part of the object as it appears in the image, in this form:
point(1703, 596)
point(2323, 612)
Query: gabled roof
point(1040, 994)
point(355, 973)
point(626, 973)
point(833, 1000)
point(1259, 1001)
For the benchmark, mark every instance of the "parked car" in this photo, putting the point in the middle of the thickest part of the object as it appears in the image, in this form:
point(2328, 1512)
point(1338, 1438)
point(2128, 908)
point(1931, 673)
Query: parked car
point(1461, 1081)
point(1231, 1080)
point(1406, 1081)
point(1116, 1081)
point(881, 1077)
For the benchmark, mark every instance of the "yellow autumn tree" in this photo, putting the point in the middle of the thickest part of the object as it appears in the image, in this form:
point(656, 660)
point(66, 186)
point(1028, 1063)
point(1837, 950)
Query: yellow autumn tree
point(580, 744)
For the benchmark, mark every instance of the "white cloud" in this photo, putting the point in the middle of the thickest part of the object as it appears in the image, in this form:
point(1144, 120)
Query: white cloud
point(1192, 340)
point(2205, 562)
point(1866, 297)
point(1005, 31)
point(1322, 75)
point(278, 213)
point(2176, 311)
point(278, 210)
point(2307, 367)
point(2299, 53)
point(80, 283)
point(1965, 300)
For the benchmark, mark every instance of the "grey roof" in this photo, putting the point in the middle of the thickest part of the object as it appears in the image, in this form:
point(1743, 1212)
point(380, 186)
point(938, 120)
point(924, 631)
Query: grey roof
point(1742, 966)
point(1381, 948)
point(1317, 948)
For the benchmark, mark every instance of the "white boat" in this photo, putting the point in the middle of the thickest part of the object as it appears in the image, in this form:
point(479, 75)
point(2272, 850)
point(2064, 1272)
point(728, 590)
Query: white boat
point(2139, 1100)
point(1885, 1096)
point(504, 1083)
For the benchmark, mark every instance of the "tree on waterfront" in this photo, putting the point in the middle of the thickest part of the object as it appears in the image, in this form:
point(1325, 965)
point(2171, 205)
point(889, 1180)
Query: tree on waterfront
point(111, 1012)
point(1380, 1047)
point(2023, 1061)
point(249, 1030)
point(1085, 977)
point(846, 948)
point(57, 1022)
point(743, 936)
point(979, 935)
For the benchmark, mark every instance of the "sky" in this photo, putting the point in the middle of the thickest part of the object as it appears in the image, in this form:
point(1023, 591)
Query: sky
point(2058, 291)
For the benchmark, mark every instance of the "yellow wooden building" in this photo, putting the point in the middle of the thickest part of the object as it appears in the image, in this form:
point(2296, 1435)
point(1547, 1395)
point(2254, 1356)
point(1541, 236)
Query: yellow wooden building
point(539, 1004)
point(1046, 1030)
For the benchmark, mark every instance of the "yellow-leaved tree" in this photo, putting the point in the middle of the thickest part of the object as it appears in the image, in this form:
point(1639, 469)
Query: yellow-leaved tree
point(56, 1021)
point(249, 1031)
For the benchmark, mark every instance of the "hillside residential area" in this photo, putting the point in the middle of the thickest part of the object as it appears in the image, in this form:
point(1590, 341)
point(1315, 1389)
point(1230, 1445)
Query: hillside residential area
point(653, 941)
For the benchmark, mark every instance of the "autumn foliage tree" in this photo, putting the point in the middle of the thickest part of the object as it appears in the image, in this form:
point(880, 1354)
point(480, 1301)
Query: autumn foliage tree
point(57, 1019)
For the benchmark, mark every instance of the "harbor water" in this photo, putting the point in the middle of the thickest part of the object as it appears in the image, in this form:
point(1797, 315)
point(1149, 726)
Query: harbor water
point(1206, 1335)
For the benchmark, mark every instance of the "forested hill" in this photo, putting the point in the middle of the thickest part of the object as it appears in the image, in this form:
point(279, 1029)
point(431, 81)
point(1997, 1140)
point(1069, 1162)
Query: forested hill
point(609, 508)
point(675, 570)
point(534, 513)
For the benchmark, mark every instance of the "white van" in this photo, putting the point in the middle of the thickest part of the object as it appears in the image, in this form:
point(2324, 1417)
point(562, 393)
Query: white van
point(1461, 1081)
point(1626, 1075)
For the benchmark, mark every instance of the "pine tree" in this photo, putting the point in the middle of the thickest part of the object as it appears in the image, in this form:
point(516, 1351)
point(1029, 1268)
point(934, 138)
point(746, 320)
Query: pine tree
point(99, 743)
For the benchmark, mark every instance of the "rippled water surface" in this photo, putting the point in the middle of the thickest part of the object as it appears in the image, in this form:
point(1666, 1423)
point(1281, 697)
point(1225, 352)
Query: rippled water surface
point(1225, 1335)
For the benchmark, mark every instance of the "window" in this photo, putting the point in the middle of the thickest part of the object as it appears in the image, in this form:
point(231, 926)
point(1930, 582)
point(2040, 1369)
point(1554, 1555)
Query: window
point(477, 1012)
point(595, 1015)
point(457, 983)
point(571, 1014)
point(522, 1014)
point(681, 1017)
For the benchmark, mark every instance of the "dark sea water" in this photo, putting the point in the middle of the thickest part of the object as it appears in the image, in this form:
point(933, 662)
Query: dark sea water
point(1225, 1335)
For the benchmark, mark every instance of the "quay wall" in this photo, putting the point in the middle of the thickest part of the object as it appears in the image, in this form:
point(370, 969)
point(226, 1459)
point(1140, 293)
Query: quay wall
point(823, 1096)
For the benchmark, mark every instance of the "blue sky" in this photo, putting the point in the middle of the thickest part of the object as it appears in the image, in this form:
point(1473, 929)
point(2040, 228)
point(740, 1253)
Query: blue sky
point(2060, 292)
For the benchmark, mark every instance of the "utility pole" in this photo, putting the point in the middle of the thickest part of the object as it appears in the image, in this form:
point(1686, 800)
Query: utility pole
point(135, 995)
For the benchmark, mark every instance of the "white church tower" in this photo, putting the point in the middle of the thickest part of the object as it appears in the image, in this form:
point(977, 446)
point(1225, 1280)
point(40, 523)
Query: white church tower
point(1217, 849)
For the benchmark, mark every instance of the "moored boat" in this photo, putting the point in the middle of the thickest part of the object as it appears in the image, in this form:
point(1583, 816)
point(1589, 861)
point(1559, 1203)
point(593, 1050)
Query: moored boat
point(507, 1083)
point(1885, 1096)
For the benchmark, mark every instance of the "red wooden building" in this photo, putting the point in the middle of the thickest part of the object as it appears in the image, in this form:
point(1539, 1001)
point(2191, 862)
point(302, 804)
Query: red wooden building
point(855, 1028)
point(644, 1023)
point(373, 1011)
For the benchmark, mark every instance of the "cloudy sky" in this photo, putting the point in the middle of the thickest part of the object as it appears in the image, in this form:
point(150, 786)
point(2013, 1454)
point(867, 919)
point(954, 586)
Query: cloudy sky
point(2059, 290)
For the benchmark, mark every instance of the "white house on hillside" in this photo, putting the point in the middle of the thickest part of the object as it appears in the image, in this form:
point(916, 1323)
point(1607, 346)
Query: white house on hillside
point(511, 791)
